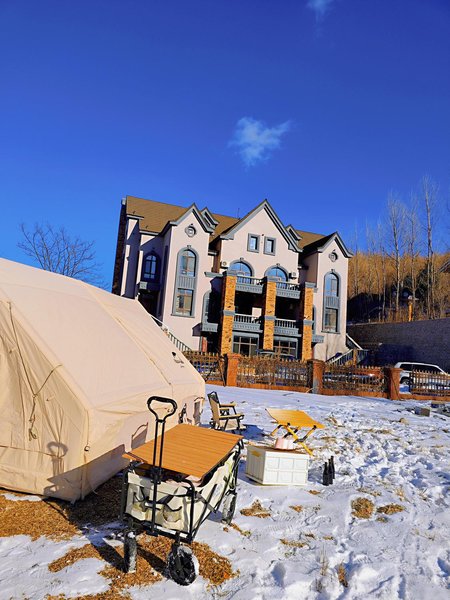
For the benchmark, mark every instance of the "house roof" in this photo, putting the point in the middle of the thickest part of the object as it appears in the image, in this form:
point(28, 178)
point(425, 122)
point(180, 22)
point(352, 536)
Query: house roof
point(264, 205)
point(224, 224)
point(154, 216)
point(307, 237)
point(320, 244)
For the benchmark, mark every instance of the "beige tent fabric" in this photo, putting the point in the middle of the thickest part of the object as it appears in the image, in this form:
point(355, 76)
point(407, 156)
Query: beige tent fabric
point(77, 366)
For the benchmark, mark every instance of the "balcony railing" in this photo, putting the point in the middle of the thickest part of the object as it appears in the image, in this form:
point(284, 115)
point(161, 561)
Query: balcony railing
point(288, 290)
point(286, 327)
point(246, 323)
point(249, 284)
point(287, 323)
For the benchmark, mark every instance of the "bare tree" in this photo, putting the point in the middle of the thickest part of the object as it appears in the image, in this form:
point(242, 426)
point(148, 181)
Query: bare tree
point(56, 250)
point(396, 226)
point(412, 243)
point(429, 195)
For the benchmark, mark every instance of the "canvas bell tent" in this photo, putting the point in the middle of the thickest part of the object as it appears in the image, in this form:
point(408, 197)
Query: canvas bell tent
point(77, 365)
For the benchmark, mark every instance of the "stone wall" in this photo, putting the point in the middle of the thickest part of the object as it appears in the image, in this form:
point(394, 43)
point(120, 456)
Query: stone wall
point(422, 341)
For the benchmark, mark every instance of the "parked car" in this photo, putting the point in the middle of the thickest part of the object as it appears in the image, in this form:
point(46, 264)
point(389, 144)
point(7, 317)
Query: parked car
point(433, 376)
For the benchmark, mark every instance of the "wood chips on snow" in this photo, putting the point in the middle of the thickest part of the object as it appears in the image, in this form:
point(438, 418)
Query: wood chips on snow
point(59, 520)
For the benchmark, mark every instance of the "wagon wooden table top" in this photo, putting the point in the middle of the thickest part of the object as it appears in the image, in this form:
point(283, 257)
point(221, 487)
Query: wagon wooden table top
point(188, 449)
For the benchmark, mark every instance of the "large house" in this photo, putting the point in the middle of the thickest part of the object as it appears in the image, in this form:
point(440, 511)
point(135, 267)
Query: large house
point(228, 284)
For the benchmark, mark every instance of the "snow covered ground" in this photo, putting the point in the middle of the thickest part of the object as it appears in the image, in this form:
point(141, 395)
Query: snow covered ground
point(383, 452)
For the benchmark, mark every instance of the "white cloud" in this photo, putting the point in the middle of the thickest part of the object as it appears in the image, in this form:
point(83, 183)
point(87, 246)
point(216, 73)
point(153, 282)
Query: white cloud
point(255, 141)
point(320, 7)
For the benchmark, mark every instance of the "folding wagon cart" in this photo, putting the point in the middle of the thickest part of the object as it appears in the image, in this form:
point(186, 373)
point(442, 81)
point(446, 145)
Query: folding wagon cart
point(174, 482)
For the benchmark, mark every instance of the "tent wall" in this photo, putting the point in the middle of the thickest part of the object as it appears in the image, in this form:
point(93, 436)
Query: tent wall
point(77, 366)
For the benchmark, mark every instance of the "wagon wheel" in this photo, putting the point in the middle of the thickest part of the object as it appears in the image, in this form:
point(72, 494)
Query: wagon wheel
point(229, 506)
point(182, 565)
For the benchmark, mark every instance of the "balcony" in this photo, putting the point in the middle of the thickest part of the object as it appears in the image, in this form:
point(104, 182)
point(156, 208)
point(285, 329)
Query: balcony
point(288, 290)
point(286, 327)
point(246, 323)
point(254, 285)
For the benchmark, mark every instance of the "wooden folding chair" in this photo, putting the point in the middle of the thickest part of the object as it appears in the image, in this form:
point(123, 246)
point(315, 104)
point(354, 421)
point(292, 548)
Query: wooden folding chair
point(224, 416)
point(292, 421)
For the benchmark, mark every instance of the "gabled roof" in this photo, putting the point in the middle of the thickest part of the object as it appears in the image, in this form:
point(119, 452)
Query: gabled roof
point(264, 205)
point(307, 237)
point(321, 243)
point(153, 216)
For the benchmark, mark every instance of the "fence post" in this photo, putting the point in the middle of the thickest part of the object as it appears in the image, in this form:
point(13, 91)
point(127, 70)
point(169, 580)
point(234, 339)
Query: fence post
point(231, 365)
point(392, 377)
point(315, 371)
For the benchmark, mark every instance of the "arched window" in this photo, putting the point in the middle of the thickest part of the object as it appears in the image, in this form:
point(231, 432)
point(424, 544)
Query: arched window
point(187, 262)
point(331, 284)
point(279, 274)
point(242, 270)
point(150, 267)
point(186, 280)
point(331, 290)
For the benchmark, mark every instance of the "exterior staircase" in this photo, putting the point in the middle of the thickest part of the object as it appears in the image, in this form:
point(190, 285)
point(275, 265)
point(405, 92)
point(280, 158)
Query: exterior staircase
point(178, 343)
point(355, 355)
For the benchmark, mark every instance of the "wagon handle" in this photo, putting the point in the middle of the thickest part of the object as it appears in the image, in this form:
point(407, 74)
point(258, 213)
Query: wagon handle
point(157, 470)
point(163, 401)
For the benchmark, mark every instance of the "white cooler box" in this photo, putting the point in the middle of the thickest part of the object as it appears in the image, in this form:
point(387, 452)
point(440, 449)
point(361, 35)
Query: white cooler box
point(276, 467)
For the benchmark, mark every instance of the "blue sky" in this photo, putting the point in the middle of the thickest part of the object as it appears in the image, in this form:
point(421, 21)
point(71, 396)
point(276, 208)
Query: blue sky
point(321, 106)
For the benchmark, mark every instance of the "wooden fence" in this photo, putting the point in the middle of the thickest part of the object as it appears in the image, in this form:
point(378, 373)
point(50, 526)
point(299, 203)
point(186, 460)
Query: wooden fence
point(354, 378)
point(316, 376)
point(427, 383)
point(210, 365)
point(269, 372)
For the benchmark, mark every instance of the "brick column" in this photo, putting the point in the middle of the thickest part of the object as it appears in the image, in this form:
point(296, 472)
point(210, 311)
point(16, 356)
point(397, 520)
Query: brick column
point(315, 372)
point(232, 363)
point(227, 317)
point(392, 377)
point(268, 312)
point(306, 322)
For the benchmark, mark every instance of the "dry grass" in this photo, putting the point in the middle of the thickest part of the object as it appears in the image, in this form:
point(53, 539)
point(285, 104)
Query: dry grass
point(298, 508)
point(362, 508)
point(401, 494)
point(342, 574)
point(329, 439)
point(310, 535)
point(328, 537)
point(324, 563)
point(256, 510)
point(314, 492)
point(151, 564)
point(390, 509)
point(379, 431)
point(59, 520)
point(244, 532)
point(293, 543)
point(364, 490)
